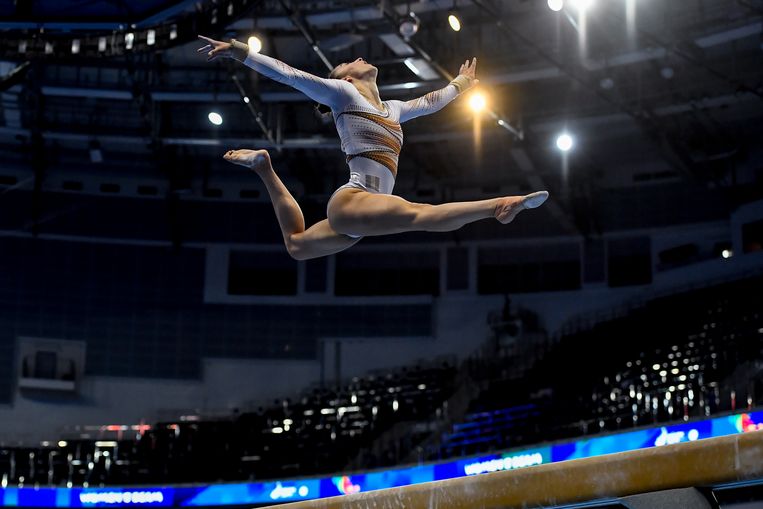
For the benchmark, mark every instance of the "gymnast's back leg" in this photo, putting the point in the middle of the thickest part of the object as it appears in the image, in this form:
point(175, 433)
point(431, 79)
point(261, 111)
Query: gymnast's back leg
point(357, 212)
point(302, 244)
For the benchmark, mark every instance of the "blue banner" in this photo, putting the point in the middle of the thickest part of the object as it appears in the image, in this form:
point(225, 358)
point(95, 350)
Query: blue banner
point(292, 490)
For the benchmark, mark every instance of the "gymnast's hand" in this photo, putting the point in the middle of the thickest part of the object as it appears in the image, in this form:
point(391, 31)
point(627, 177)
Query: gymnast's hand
point(469, 71)
point(215, 48)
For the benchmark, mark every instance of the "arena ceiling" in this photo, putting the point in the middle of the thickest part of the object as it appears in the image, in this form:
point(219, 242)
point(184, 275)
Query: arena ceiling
point(654, 93)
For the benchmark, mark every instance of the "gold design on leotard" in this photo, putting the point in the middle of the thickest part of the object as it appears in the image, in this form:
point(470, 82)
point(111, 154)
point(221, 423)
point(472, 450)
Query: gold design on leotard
point(428, 101)
point(390, 126)
point(389, 141)
point(387, 159)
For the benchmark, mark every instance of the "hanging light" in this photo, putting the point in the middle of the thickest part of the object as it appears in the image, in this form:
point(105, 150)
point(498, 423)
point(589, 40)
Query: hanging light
point(254, 43)
point(477, 102)
point(409, 25)
point(215, 118)
point(454, 21)
point(564, 142)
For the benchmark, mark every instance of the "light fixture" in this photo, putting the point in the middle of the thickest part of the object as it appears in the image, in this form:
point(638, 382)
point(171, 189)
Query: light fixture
point(453, 21)
point(215, 118)
point(173, 32)
point(409, 25)
point(410, 65)
point(151, 37)
point(254, 43)
point(564, 142)
point(129, 40)
point(22, 46)
point(75, 46)
point(727, 253)
point(48, 48)
point(477, 102)
point(555, 5)
point(101, 44)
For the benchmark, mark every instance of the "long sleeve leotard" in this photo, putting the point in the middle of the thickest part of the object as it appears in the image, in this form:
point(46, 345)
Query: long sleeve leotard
point(365, 132)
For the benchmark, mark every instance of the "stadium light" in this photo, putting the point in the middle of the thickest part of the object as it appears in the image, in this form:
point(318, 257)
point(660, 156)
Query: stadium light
point(564, 142)
point(254, 43)
point(555, 5)
point(215, 118)
point(477, 102)
point(409, 25)
point(453, 21)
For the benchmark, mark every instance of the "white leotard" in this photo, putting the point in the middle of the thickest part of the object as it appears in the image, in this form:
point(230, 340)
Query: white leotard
point(371, 138)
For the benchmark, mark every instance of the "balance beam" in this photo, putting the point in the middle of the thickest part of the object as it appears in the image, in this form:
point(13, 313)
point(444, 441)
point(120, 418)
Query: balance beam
point(707, 462)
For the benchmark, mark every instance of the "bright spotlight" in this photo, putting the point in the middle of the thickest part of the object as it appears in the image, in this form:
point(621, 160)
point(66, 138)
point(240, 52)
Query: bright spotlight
point(255, 43)
point(477, 102)
point(454, 22)
point(582, 5)
point(555, 5)
point(727, 253)
point(215, 118)
point(564, 142)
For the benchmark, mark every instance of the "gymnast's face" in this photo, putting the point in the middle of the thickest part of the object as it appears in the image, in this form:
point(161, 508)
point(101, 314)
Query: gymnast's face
point(358, 69)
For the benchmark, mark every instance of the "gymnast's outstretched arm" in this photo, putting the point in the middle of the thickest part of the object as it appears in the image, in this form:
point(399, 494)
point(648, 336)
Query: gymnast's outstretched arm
point(321, 90)
point(437, 99)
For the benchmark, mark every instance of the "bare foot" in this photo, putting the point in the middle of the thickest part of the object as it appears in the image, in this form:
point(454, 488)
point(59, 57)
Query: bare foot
point(257, 160)
point(508, 208)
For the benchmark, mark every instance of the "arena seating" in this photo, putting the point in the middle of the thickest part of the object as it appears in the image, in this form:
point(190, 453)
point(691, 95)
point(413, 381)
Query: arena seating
point(318, 433)
point(687, 355)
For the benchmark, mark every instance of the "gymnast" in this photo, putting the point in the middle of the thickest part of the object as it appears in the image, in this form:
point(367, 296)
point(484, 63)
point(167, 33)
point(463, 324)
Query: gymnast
point(371, 137)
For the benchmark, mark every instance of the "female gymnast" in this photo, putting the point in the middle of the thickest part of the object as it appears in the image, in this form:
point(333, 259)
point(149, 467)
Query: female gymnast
point(371, 136)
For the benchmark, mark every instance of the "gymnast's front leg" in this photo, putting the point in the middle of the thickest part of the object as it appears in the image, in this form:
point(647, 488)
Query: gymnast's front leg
point(357, 212)
point(318, 240)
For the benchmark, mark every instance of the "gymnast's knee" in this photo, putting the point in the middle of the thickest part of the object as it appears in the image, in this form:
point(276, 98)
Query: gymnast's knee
point(295, 248)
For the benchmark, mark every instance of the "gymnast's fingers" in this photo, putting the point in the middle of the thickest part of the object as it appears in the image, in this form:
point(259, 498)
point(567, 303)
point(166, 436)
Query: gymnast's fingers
point(204, 48)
